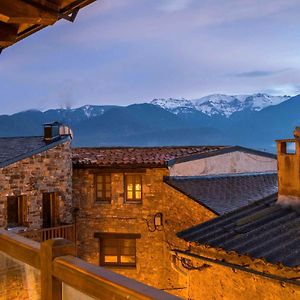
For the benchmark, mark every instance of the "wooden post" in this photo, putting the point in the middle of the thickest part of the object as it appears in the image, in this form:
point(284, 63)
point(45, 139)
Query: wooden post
point(51, 288)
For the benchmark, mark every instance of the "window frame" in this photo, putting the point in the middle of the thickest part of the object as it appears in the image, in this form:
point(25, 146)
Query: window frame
point(102, 200)
point(133, 199)
point(21, 213)
point(117, 237)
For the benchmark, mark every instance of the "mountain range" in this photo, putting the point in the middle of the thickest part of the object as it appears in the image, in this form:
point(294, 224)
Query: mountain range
point(248, 120)
point(220, 104)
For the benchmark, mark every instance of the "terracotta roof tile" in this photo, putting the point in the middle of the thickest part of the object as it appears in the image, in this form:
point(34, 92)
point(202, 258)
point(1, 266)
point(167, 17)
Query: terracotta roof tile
point(134, 156)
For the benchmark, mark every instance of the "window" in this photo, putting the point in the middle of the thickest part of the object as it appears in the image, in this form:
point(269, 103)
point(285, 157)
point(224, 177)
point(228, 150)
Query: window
point(117, 249)
point(103, 187)
point(133, 187)
point(287, 148)
point(16, 211)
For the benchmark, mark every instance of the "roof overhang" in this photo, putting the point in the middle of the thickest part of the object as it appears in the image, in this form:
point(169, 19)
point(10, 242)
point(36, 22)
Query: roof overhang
point(21, 18)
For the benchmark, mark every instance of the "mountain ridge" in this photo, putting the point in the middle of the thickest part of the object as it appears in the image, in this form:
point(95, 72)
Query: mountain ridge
point(220, 104)
point(147, 124)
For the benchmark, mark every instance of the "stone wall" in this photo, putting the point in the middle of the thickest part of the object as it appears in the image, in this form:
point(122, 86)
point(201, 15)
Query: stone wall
point(154, 261)
point(234, 162)
point(48, 171)
point(214, 281)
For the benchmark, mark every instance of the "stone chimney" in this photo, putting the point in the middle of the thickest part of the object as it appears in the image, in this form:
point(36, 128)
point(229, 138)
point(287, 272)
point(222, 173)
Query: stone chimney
point(53, 131)
point(289, 170)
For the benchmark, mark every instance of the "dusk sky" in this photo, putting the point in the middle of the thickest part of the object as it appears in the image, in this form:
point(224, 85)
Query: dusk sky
point(131, 51)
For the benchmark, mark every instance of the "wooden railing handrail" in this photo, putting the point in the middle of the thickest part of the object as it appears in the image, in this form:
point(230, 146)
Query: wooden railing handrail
point(57, 263)
point(20, 248)
point(101, 283)
point(52, 228)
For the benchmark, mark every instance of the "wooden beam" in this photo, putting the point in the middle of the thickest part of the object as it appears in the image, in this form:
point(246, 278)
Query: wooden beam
point(102, 283)
point(51, 288)
point(20, 248)
point(18, 11)
point(8, 34)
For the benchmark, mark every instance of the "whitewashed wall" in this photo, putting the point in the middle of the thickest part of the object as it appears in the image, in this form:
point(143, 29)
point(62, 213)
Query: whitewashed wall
point(234, 162)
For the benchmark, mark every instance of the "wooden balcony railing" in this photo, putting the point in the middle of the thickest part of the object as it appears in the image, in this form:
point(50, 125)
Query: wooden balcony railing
point(59, 268)
point(40, 235)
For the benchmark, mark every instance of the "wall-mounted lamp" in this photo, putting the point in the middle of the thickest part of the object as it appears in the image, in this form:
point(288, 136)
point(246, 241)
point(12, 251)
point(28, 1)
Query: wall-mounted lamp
point(158, 219)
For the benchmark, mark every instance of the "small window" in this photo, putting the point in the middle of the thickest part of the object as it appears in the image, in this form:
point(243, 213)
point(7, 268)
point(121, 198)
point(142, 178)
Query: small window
point(288, 148)
point(117, 249)
point(103, 187)
point(133, 187)
point(16, 211)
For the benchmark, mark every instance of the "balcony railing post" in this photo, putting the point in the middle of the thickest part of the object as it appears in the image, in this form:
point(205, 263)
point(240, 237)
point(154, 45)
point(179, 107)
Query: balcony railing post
point(51, 288)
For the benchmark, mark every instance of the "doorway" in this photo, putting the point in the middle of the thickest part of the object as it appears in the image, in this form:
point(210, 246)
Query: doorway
point(50, 212)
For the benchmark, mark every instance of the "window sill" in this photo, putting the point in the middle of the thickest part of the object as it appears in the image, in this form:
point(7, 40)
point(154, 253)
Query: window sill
point(133, 202)
point(102, 202)
point(119, 267)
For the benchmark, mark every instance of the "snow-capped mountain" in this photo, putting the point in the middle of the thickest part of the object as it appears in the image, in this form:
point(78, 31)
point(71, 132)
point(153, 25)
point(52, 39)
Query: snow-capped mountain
point(220, 104)
point(78, 114)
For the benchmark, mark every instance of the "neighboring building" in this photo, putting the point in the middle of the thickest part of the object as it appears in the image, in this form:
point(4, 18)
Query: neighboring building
point(36, 179)
point(258, 244)
point(129, 216)
point(223, 161)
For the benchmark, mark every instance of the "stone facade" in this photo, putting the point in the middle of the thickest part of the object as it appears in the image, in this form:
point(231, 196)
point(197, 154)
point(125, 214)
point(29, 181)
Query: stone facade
point(154, 260)
point(236, 277)
point(47, 172)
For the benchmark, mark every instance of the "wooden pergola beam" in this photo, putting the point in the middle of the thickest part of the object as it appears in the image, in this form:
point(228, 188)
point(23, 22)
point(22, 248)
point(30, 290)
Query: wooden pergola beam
point(8, 34)
point(18, 11)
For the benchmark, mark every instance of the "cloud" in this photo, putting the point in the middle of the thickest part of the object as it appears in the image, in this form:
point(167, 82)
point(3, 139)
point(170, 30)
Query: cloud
point(285, 89)
point(259, 73)
point(174, 5)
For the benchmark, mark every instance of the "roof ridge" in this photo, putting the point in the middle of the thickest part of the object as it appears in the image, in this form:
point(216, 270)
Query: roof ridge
point(223, 175)
point(151, 147)
point(21, 137)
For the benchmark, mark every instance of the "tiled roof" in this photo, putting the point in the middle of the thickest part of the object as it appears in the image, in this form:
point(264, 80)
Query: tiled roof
point(13, 149)
point(263, 229)
point(134, 156)
point(225, 193)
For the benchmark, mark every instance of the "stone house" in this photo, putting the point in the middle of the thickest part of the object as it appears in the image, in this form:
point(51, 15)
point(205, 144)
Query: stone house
point(36, 179)
point(130, 207)
point(258, 244)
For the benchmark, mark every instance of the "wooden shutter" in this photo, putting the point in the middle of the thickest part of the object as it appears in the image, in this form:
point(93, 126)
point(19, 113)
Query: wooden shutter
point(24, 208)
point(55, 201)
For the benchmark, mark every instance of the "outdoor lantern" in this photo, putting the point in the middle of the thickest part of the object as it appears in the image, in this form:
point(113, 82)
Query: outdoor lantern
point(158, 219)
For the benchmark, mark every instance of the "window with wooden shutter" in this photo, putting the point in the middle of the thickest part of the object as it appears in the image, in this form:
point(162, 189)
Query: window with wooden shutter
point(16, 211)
point(133, 187)
point(103, 188)
point(117, 249)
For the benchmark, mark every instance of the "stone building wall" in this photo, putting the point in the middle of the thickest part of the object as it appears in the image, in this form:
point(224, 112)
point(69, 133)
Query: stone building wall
point(48, 171)
point(154, 261)
point(214, 281)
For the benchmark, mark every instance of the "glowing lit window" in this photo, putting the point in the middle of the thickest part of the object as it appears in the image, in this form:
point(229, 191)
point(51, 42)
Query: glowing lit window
point(117, 249)
point(133, 185)
point(103, 187)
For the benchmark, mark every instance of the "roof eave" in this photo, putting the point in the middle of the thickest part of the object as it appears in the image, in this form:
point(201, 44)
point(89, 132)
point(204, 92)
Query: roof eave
point(34, 152)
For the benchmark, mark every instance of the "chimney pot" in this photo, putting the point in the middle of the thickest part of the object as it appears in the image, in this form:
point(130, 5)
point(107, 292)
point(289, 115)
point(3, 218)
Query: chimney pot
point(54, 130)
